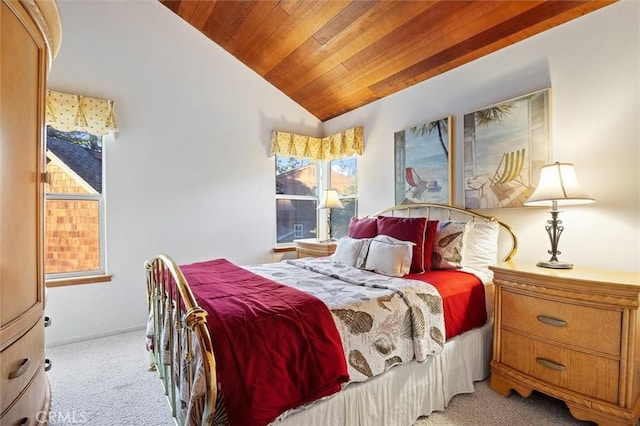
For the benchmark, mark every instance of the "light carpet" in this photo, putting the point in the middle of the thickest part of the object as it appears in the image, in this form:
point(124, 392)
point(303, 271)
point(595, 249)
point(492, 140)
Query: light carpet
point(105, 382)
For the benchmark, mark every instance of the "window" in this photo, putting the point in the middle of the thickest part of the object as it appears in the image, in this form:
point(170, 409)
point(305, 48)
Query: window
point(296, 199)
point(298, 185)
point(344, 179)
point(74, 205)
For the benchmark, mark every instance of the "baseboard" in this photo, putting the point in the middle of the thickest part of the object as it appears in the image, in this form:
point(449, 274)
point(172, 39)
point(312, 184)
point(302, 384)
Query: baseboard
point(95, 336)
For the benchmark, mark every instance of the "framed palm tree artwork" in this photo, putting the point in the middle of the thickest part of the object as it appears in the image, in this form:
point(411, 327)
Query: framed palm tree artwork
point(505, 145)
point(423, 163)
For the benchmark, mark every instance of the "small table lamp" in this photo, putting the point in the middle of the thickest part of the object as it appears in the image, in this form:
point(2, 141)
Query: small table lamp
point(558, 185)
point(330, 201)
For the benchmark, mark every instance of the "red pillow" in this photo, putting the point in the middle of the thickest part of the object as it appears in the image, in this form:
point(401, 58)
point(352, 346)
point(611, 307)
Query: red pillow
point(415, 229)
point(366, 227)
point(429, 241)
point(412, 229)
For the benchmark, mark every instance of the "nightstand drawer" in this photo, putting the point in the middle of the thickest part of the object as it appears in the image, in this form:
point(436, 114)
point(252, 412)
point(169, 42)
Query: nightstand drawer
point(588, 374)
point(579, 326)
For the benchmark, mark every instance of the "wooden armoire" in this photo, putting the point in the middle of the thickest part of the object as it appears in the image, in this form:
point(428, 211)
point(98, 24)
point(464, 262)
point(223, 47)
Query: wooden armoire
point(29, 39)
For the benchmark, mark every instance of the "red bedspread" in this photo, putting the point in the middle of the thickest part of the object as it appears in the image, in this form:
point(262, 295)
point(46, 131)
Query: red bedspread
point(276, 347)
point(463, 299)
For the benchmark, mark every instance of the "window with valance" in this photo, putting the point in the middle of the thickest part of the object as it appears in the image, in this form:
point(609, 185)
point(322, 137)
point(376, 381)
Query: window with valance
point(74, 189)
point(307, 165)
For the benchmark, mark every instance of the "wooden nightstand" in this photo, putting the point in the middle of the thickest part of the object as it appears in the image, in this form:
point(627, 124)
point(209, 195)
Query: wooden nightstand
point(571, 334)
point(311, 247)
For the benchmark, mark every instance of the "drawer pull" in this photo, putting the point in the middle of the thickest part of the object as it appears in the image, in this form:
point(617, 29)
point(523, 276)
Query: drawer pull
point(552, 321)
point(47, 321)
point(550, 364)
point(47, 364)
point(20, 370)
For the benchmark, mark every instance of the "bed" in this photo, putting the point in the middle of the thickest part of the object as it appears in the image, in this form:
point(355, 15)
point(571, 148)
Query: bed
point(388, 329)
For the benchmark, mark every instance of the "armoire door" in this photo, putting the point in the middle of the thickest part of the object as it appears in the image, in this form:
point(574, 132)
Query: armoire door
point(23, 68)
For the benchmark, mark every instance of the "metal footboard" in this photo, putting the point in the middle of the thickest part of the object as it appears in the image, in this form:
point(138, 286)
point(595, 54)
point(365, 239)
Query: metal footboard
point(176, 318)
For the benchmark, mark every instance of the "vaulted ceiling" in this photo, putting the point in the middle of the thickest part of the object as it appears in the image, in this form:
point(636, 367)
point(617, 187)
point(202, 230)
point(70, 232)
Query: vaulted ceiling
point(334, 56)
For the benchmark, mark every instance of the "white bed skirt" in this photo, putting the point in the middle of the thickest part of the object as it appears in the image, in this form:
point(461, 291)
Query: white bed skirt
point(408, 391)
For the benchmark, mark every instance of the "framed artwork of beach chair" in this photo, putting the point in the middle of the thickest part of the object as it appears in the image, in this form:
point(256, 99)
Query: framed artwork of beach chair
point(423, 163)
point(505, 145)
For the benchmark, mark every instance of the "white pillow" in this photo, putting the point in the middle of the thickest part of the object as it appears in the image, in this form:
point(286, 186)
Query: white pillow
point(480, 245)
point(351, 251)
point(389, 256)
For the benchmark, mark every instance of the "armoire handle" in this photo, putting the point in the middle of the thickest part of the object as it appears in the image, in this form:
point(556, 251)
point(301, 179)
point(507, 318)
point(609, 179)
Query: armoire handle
point(24, 366)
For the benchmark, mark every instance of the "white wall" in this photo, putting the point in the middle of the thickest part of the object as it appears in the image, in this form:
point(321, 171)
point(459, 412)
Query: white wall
point(189, 173)
point(592, 65)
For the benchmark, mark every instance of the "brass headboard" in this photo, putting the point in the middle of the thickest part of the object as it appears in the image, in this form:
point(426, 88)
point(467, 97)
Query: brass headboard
point(507, 243)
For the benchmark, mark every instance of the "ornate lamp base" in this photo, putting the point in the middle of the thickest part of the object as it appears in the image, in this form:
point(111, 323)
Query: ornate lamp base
point(554, 229)
point(554, 264)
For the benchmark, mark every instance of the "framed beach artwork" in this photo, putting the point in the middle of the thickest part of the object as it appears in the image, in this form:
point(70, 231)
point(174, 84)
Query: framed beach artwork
point(423, 163)
point(504, 147)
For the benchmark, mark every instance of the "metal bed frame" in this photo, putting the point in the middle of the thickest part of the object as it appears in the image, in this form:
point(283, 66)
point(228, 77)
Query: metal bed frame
point(166, 283)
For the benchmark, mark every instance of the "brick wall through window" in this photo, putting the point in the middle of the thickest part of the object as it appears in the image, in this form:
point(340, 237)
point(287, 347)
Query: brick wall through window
point(72, 227)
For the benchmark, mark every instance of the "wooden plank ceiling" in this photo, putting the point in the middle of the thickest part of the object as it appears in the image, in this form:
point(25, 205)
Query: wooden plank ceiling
point(334, 56)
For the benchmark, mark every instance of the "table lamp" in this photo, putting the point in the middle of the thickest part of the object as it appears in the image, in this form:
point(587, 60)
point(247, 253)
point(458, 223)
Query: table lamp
point(330, 200)
point(559, 185)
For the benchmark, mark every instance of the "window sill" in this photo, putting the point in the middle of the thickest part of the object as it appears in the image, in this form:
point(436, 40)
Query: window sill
point(284, 249)
point(89, 279)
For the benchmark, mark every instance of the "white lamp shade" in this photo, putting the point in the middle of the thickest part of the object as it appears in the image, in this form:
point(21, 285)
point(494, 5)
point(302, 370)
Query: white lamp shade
point(330, 200)
point(558, 182)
